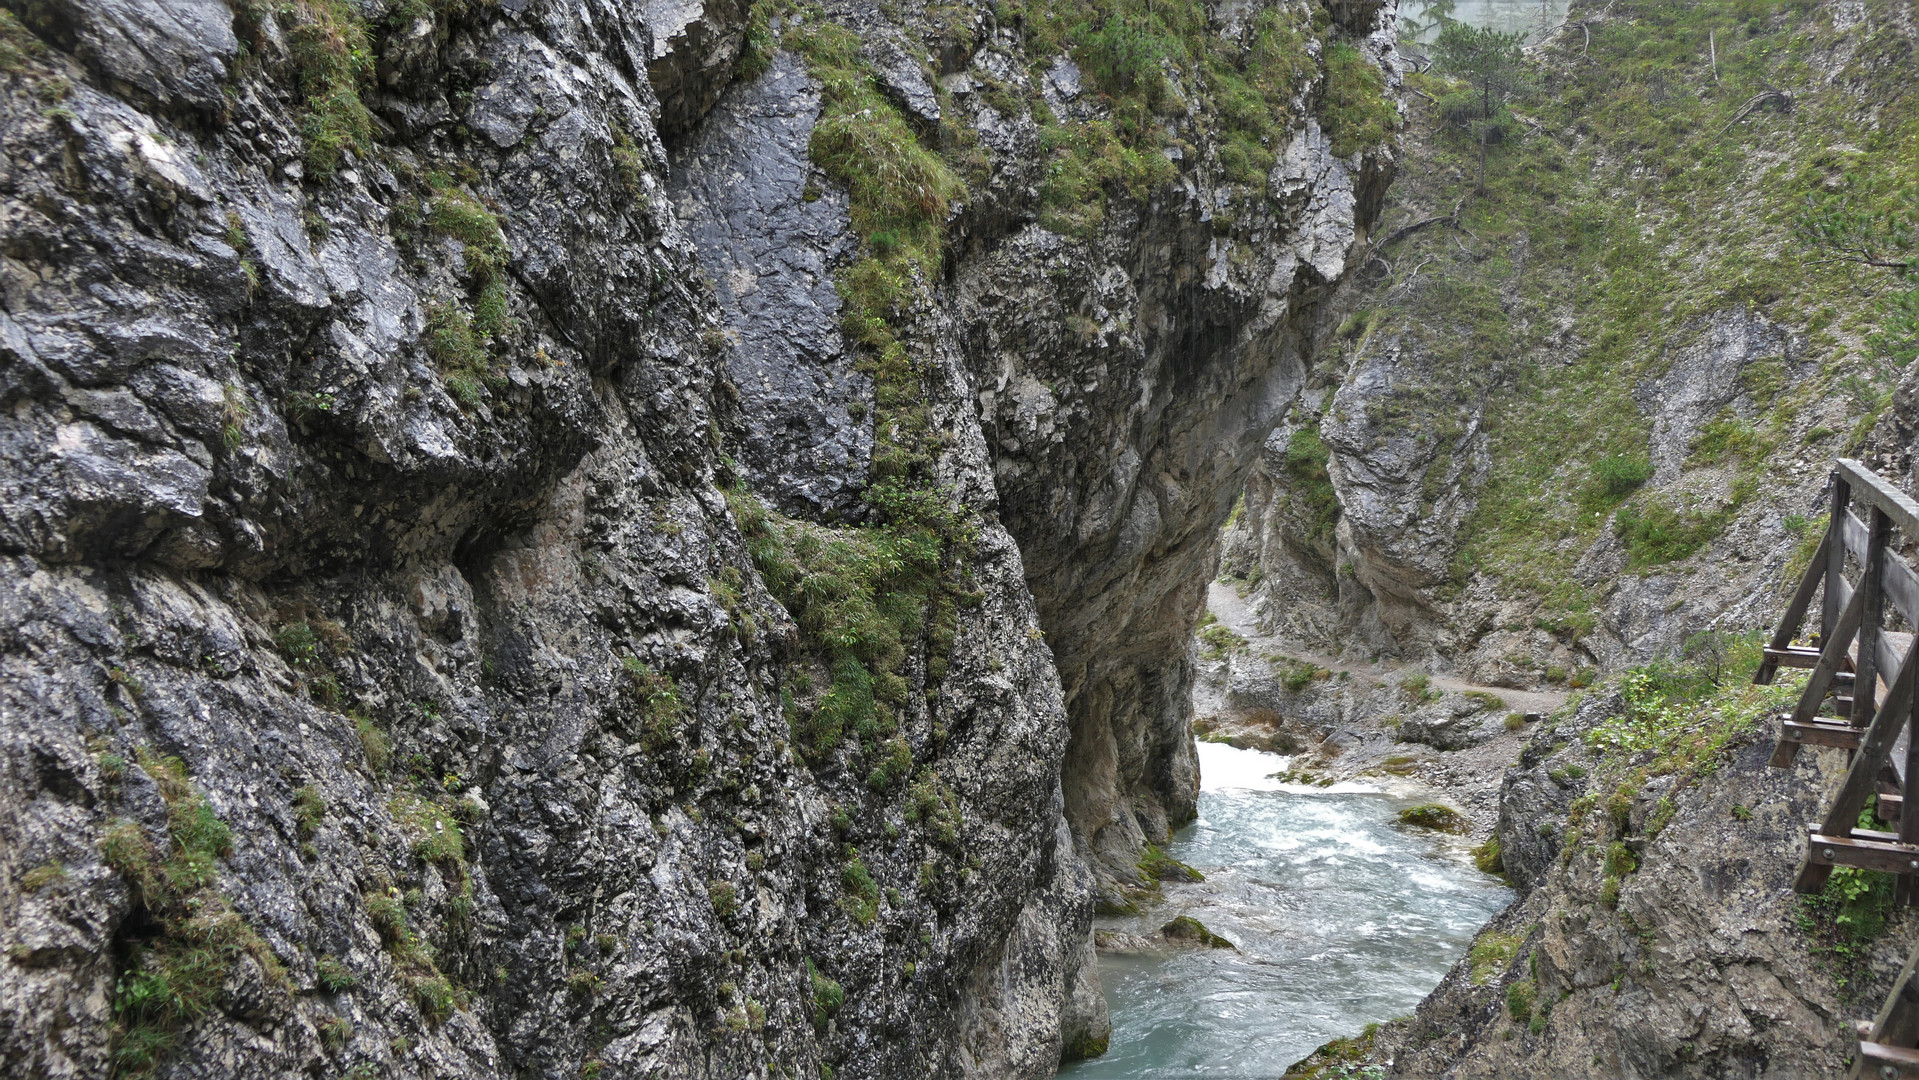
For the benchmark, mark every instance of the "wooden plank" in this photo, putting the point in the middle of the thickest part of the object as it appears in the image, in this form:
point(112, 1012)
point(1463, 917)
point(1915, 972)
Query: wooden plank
point(1879, 1061)
point(1832, 849)
point(1879, 491)
point(1794, 657)
point(1820, 733)
point(1796, 613)
point(1901, 583)
point(1862, 776)
point(1831, 653)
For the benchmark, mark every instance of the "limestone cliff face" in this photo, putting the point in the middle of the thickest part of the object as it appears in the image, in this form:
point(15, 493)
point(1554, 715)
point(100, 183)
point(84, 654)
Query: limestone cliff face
point(1125, 384)
point(391, 685)
point(1120, 451)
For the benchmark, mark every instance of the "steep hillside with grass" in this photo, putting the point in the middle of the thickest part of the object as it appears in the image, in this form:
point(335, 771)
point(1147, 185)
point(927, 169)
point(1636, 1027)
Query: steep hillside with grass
point(1579, 409)
point(579, 540)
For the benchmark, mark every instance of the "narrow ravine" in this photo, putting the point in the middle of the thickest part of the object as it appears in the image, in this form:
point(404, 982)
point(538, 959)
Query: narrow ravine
point(1341, 917)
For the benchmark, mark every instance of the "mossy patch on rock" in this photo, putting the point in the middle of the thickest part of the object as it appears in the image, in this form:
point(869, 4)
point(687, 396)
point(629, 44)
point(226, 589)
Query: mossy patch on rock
point(1486, 857)
point(1339, 1058)
point(1436, 817)
point(1187, 929)
point(1160, 866)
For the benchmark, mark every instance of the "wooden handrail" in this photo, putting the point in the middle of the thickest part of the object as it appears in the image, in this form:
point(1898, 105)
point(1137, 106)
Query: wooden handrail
point(1900, 582)
point(1872, 487)
point(1886, 654)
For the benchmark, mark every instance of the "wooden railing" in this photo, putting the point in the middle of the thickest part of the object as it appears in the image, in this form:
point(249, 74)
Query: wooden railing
point(1866, 675)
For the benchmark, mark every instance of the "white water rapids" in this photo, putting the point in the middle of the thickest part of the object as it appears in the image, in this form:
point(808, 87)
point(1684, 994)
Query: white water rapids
point(1342, 917)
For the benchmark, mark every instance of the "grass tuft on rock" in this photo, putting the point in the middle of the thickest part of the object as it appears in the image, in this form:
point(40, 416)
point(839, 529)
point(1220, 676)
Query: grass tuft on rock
point(171, 977)
point(1491, 954)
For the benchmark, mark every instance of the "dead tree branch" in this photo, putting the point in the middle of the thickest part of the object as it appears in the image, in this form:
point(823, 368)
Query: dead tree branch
point(1407, 230)
point(1759, 101)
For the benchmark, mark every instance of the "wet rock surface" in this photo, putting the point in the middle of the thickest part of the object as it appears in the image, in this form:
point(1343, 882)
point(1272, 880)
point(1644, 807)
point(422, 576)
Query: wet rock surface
point(771, 233)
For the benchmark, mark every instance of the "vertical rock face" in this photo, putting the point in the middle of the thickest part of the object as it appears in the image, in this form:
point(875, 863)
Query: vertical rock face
point(390, 684)
point(1126, 386)
point(695, 45)
point(742, 187)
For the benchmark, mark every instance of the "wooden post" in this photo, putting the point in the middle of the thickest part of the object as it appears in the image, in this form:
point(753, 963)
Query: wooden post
point(1907, 890)
point(1871, 618)
point(1840, 493)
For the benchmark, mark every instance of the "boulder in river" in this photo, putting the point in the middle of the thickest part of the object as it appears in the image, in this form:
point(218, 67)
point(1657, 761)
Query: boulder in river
point(1187, 930)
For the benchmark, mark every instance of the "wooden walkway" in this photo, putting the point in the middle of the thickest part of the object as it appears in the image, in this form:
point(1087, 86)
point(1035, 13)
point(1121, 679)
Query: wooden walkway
point(1859, 697)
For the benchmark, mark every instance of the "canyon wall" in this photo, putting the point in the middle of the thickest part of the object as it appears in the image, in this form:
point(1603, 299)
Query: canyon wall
point(1578, 407)
point(554, 540)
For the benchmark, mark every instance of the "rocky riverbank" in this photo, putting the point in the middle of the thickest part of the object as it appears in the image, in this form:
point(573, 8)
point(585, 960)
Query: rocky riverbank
point(1399, 727)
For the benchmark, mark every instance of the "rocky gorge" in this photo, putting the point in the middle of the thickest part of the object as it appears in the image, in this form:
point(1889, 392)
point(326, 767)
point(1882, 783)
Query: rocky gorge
point(599, 540)
point(613, 540)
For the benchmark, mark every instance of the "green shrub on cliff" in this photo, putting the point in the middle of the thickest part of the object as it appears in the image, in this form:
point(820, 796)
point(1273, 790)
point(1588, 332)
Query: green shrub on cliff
point(173, 974)
point(827, 995)
point(863, 597)
point(1356, 110)
point(1307, 462)
point(1844, 920)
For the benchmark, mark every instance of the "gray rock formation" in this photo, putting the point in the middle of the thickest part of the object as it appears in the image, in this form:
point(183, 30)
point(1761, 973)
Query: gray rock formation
point(771, 234)
point(1699, 967)
point(1126, 405)
point(386, 669)
point(695, 45)
point(1371, 568)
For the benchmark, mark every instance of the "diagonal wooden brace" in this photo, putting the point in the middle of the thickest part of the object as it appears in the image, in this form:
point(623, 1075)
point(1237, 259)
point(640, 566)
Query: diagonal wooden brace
point(1896, 1028)
point(1831, 653)
point(1781, 645)
point(1863, 775)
